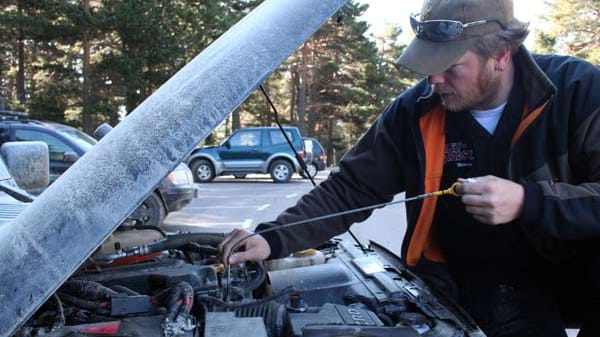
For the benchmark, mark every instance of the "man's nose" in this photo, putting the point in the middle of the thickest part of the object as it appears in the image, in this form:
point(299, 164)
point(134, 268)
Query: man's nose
point(436, 78)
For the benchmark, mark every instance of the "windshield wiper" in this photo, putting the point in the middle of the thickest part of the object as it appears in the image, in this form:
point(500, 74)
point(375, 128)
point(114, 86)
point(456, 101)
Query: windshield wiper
point(15, 192)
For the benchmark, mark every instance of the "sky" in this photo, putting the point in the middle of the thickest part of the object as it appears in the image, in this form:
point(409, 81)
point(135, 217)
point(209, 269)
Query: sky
point(382, 12)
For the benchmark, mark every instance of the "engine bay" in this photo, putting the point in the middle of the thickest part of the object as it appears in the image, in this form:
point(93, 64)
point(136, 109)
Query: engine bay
point(145, 282)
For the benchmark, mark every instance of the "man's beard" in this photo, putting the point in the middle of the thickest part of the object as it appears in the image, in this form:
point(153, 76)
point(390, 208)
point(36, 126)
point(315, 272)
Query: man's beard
point(486, 87)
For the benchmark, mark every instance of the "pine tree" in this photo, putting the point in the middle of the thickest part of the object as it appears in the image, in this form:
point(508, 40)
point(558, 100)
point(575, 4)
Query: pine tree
point(574, 29)
point(336, 84)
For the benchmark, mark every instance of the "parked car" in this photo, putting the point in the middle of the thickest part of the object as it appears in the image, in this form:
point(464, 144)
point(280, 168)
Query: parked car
point(67, 144)
point(250, 150)
point(318, 159)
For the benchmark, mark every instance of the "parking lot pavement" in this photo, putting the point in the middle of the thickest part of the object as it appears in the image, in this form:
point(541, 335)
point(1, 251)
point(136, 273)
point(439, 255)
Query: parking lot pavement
point(227, 203)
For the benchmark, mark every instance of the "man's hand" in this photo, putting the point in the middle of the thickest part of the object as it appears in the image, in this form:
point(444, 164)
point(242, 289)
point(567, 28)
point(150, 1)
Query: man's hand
point(492, 200)
point(255, 247)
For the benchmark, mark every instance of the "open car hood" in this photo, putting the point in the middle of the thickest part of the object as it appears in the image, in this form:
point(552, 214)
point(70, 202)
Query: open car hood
point(48, 241)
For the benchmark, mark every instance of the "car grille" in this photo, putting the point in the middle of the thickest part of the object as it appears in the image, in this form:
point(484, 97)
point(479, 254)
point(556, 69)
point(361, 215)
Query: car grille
point(10, 211)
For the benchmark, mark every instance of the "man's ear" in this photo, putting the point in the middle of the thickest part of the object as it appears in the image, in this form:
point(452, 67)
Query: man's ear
point(502, 58)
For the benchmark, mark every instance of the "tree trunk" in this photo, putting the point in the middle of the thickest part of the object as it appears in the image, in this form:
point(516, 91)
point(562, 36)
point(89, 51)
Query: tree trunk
point(302, 90)
point(87, 70)
point(293, 91)
point(313, 94)
point(33, 59)
point(312, 111)
point(235, 120)
point(330, 150)
point(21, 61)
point(268, 112)
point(227, 129)
point(113, 118)
point(2, 93)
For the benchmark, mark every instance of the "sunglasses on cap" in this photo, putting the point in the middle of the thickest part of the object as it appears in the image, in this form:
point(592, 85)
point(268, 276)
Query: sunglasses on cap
point(444, 30)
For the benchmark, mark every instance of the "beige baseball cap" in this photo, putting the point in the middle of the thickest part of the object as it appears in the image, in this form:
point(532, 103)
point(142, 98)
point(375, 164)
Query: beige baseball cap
point(446, 29)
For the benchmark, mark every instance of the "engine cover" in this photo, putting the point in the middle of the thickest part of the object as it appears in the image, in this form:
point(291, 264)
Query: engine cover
point(331, 314)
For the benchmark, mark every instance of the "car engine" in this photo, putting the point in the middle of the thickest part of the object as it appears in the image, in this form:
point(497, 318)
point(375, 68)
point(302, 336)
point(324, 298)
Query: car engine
point(145, 282)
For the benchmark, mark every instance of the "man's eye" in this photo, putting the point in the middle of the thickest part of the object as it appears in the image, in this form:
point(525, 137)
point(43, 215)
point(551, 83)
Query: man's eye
point(452, 69)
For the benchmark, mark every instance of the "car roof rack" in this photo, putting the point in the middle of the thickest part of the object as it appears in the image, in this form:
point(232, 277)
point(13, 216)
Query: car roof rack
point(12, 115)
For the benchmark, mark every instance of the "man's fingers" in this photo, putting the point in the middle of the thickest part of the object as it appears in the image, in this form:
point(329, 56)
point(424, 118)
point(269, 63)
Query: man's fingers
point(241, 256)
point(231, 236)
point(225, 241)
point(483, 219)
point(256, 248)
point(481, 214)
point(470, 185)
point(474, 200)
point(475, 210)
point(233, 241)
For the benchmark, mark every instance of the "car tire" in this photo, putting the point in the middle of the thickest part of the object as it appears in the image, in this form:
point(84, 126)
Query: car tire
point(202, 170)
point(240, 176)
point(312, 169)
point(151, 212)
point(281, 171)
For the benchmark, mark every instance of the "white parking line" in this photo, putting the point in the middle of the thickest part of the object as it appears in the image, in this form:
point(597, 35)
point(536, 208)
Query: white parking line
point(247, 223)
point(291, 195)
point(263, 207)
point(219, 207)
point(254, 196)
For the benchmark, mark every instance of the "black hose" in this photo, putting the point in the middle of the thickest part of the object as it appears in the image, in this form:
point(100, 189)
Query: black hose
point(124, 290)
point(87, 289)
point(201, 249)
point(260, 277)
point(60, 319)
point(369, 302)
point(239, 292)
point(188, 298)
point(94, 306)
point(173, 302)
point(229, 305)
point(142, 227)
point(273, 314)
point(387, 320)
point(179, 300)
point(179, 240)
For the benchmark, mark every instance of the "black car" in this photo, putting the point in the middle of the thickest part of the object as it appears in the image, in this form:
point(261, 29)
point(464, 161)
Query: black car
point(319, 158)
point(66, 144)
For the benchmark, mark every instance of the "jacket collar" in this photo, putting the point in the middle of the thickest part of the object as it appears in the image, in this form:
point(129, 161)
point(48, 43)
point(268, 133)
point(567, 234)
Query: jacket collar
point(538, 87)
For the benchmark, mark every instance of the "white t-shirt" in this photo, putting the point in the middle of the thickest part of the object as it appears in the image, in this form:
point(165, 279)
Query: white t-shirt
point(489, 118)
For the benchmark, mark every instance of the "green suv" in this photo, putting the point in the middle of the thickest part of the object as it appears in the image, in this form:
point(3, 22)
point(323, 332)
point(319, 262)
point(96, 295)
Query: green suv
point(250, 150)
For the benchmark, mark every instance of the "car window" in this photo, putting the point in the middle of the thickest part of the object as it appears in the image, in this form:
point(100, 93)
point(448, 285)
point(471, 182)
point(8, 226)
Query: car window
point(245, 138)
point(4, 135)
point(276, 137)
point(317, 146)
point(83, 140)
point(56, 147)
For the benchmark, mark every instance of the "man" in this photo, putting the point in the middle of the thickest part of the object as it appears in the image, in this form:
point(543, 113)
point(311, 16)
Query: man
point(525, 129)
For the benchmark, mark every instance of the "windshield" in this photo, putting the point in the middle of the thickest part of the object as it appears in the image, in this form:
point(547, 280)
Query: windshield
point(83, 140)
